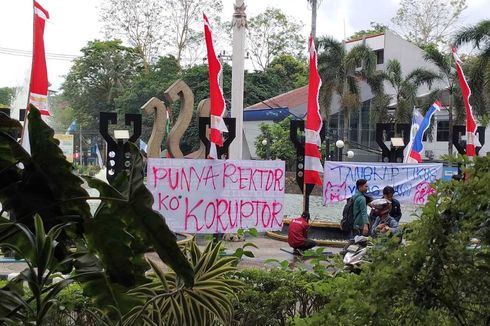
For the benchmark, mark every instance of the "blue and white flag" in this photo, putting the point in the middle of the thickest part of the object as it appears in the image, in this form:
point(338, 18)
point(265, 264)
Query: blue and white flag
point(72, 128)
point(415, 155)
point(143, 146)
point(417, 118)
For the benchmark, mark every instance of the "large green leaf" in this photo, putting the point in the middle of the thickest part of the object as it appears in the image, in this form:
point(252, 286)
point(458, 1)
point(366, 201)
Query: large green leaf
point(44, 183)
point(50, 161)
point(107, 234)
point(10, 154)
point(149, 224)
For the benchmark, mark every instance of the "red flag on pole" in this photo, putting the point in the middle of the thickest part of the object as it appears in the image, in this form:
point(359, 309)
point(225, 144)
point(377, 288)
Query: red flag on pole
point(470, 120)
point(217, 101)
point(313, 124)
point(38, 88)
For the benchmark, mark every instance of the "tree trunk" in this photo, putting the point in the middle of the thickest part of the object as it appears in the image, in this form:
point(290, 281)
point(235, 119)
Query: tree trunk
point(450, 120)
point(345, 132)
point(313, 18)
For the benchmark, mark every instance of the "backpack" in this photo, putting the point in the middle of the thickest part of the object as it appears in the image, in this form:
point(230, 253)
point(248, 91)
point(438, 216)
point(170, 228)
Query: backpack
point(348, 218)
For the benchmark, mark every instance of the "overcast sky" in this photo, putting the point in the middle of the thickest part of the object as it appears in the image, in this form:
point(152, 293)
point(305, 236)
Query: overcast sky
point(75, 22)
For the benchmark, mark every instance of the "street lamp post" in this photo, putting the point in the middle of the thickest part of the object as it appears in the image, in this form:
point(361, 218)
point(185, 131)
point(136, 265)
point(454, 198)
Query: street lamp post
point(265, 142)
point(339, 144)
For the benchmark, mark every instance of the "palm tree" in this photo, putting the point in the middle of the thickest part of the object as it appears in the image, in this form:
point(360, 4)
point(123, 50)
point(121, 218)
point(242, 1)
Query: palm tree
point(405, 87)
point(478, 71)
point(447, 75)
point(478, 35)
point(341, 72)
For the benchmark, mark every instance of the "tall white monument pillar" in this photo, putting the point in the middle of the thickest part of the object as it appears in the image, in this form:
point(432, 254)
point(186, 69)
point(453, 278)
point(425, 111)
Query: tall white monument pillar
point(237, 79)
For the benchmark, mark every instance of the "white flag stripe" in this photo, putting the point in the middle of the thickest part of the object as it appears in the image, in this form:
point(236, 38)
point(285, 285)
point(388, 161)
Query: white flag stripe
point(40, 13)
point(312, 137)
point(213, 153)
point(313, 163)
point(217, 122)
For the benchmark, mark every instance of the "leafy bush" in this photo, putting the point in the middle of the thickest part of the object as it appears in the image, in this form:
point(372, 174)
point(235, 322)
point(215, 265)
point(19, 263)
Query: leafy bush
point(271, 297)
point(73, 309)
point(87, 169)
point(441, 277)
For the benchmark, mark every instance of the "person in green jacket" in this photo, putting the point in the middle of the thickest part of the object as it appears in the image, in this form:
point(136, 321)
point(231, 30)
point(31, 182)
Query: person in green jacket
point(361, 222)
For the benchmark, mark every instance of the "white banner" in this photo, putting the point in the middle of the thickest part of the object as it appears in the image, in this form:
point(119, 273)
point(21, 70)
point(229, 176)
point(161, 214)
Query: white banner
point(211, 196)
point(410, 181)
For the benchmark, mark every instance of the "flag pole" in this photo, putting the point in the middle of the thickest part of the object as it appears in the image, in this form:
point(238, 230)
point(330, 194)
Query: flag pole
point(24, 126)
point(304, 197)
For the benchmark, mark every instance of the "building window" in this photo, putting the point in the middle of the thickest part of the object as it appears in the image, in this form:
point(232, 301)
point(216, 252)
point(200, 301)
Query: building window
point(380, 56)
point(442, 131)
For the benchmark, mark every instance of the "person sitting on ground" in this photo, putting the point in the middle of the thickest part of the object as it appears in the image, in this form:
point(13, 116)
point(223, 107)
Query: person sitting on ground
point(384, 222)
point(298, 234)
point(396, 211)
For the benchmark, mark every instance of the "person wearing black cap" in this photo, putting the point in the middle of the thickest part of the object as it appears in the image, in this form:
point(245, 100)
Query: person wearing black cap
point(396, 211)
point(298, 234)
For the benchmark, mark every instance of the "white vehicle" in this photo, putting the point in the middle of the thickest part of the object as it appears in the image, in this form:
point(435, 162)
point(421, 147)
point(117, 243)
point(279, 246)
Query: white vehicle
point(355, 252)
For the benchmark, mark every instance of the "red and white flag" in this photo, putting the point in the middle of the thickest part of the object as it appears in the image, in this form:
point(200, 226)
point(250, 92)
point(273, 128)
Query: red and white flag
point(471, 140)
point(313, 124)
point(38, 88)
point(217, 101)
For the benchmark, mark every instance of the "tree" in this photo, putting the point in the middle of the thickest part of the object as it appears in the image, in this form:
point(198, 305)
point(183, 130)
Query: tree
point(479, 67)
point(443, 61)
point(406, 88)
point(6, 96)
point(149, 83)
point(138, 22)
point(63, 114)
point(283, 74)
point(292, 72)
point(376, 28)
point(147, 25)
point(272, 33)
point(341, 72)
point(101, 74)
point(425, 22)
point(478, 36)
point(184, 25)
point(278, 144)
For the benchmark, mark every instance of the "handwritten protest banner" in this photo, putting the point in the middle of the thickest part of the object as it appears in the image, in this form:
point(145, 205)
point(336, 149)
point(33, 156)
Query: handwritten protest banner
point(410, 181)
point(210, 196)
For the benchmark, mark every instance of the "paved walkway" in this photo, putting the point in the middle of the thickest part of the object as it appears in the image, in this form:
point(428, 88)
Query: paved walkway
point(267, 248)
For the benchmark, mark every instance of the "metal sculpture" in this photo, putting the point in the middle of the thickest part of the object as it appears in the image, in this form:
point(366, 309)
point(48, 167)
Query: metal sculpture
point(297, 128)
point(118, 154)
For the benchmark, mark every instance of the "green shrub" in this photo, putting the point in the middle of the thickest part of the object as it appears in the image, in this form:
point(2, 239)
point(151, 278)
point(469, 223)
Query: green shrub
point(270, 297)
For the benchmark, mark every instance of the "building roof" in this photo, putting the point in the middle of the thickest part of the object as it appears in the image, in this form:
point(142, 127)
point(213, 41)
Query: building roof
point(293, 99)
point(364, 37)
